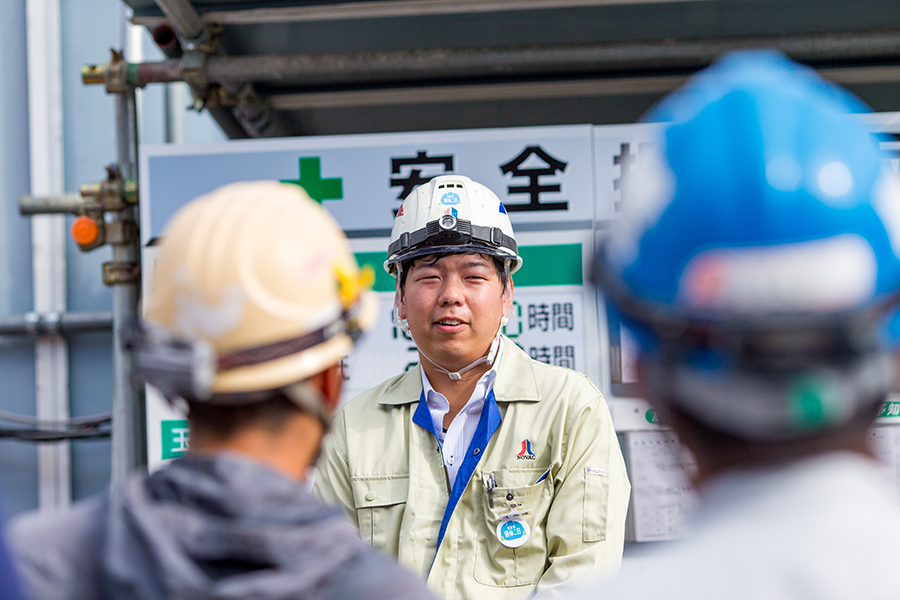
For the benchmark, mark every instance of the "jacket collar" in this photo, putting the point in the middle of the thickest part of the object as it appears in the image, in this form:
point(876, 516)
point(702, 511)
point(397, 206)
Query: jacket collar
point(515, 380)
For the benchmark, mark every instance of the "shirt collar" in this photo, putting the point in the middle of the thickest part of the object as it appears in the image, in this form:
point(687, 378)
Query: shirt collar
point(435, 399)
point(516, 381)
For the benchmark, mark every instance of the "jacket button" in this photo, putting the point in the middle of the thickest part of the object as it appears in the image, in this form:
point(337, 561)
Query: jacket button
point(370, 496)
point(477, 451)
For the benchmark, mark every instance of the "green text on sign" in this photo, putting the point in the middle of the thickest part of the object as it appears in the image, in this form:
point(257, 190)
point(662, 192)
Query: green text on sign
point(890, 409)
point(543, 265)
point(175, 438)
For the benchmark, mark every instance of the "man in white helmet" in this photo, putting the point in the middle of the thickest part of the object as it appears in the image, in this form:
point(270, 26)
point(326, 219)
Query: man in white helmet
point(490, 474)
point(256, 298)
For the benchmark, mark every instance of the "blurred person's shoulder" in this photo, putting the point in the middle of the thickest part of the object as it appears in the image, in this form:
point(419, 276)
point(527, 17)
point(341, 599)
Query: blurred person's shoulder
point(56, 552)
point(823, 527)
point(374, 576)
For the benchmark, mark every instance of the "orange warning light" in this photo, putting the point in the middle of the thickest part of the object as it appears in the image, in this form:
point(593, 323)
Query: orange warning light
point(85, 231)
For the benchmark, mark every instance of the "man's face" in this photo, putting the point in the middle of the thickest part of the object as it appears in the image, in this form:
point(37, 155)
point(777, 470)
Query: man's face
point(453, 307)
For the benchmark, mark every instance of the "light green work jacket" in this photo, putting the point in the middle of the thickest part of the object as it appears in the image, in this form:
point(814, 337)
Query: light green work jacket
point(383, 464)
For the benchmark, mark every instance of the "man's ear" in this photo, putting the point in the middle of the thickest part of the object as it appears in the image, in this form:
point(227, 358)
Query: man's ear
point(329, 382)
point(401, 302)
point(508, 298)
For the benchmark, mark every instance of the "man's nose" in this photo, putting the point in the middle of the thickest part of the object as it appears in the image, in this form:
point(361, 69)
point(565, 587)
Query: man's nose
point(451, 291)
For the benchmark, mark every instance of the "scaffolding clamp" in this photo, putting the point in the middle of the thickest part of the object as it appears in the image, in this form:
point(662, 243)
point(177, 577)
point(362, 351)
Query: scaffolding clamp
point(118, 75)
point(121, 273)
point(91, 229)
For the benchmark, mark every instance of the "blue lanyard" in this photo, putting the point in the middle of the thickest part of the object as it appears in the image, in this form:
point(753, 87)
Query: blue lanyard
point(487, 425)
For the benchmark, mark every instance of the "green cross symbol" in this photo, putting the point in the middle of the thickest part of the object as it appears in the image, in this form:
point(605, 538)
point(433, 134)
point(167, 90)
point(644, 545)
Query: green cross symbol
point(311, 180)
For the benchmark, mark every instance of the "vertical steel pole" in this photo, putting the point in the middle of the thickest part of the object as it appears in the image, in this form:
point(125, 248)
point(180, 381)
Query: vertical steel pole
point(48, 234)
point(129, 447)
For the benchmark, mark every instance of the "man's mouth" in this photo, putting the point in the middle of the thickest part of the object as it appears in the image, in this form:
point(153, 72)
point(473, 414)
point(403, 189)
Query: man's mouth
point(450, 322)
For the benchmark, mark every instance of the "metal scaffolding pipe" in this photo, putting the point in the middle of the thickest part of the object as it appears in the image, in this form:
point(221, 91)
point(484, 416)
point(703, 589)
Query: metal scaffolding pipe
point(167, 40)
point(55, 323)
point(184, 18)
point(252, 112)
point(404, 66)
point(227, 122)
point(250, 117)
point(167, 71)
point(310, 70)
point(49, 205)
point(380, 9)
point(129, 446)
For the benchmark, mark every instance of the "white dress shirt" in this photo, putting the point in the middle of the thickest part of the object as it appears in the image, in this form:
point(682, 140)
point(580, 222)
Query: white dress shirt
point(456, 439)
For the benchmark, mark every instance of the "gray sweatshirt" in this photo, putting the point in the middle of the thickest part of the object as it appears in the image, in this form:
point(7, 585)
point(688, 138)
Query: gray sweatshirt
point(204, 528)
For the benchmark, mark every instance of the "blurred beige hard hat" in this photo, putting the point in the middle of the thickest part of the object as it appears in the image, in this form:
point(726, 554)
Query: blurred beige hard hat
point(264, 276)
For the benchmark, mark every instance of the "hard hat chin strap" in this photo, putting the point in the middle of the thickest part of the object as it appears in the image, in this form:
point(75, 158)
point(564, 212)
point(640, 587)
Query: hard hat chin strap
point(453, 375)
point(310, 400)
point(487, 358)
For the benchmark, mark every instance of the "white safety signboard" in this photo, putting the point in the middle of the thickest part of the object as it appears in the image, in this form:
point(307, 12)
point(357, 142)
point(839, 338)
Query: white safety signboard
point(543, 175)
point(562, 187)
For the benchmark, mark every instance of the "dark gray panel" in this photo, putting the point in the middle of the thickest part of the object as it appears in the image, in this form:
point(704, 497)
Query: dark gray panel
point(468, 115)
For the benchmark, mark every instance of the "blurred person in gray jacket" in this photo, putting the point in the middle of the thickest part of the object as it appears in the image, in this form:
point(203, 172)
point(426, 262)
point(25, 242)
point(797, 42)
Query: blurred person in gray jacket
point(757, 262)
point(9, 581)
point(255, 300)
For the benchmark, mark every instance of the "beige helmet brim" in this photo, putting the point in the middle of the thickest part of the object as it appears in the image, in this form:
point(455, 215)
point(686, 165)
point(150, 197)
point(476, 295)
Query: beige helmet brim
point(297, 367)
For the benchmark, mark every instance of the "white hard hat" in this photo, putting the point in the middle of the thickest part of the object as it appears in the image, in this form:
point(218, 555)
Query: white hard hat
point(264, 276)
point(451, 213)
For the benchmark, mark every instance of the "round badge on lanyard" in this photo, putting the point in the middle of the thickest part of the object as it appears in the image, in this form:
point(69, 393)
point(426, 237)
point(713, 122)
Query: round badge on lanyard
point(512, 532)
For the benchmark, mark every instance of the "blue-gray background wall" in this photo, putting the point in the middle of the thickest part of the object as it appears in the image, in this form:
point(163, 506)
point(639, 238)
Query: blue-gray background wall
point(89, 29)
point(18, 462)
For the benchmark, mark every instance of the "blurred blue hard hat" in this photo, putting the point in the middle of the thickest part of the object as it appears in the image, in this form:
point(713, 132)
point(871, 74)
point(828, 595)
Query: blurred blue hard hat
point(762, 237)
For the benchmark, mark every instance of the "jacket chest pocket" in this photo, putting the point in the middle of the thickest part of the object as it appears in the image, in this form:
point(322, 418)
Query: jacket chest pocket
point(501, 566)
point(380, 503)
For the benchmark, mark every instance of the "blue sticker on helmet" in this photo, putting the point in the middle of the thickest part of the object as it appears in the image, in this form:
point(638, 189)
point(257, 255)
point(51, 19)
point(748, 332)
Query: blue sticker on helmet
point(502, 208)
point(450, 198)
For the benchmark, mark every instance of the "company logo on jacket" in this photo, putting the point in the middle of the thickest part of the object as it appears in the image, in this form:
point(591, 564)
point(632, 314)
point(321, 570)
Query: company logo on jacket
point(526, 453)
